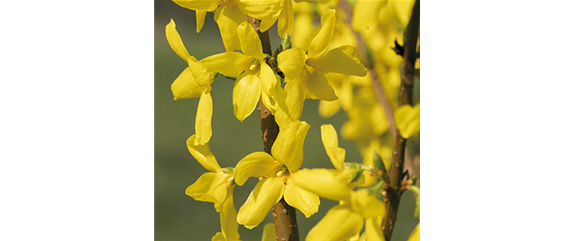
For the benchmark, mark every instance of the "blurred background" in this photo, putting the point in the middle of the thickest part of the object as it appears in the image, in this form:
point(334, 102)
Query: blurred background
point(178, 216)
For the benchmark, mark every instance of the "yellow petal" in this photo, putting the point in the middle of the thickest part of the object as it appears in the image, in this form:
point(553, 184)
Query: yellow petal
point(218, 237)
point(267, 10)
point(185, 86)
point(373, 230)
point(269, 233)
point(210, 187)
point(268, 80)
point(317, 86)
point(203, 5)
point(408, 120)
point(319, 44)
point(307, 202)
point(174, 41)
point(365, 14)
point(229, 63)
point(341, 60)
point(228, 218)
point(200, 19)
point(228, 18)
point(331, 144)
point(291, 62)
point(203, 119)
point(256, 164)
point(416, 234)
point(340, 223)
point(295, 98)
point(250, 43)
point(246, 92)
point(367, 204)
point(288, 147)
point(323, 182)
point(199, 73)
point(202, 154)
point(285, 22)
point(266, 193)
point(329, 108)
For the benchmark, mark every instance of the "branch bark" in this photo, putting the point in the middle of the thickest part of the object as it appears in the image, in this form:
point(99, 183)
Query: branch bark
point(394, 189)
point(285, 221)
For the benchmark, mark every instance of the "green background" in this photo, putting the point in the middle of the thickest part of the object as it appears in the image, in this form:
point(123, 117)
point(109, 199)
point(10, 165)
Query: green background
point(178, 216)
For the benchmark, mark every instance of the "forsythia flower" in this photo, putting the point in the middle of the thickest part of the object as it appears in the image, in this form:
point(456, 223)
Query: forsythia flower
point(257, 77)
point(215, 186)
point(276, 173)
point(305, 72)
point(231, 13)
point(408, 120)
point(193, 82)
point(355, 207)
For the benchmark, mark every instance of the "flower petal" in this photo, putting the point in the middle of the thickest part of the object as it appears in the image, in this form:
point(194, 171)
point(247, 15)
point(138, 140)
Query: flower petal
point(291, 62)
point(202, 154)
point(218, 237)
point(416, 234)
point(246, 92)
point(347, 224)
point(250, 43)
point(256, 164)
point(408, 120)
point(266, 193)
point(262, 10)
point(210, 187)
point(365, 14)
point(319, 44)
point(324, 182)
point(317, 86)
point(200, 19)
point(268, 80)
point(367, 204)
point(228, 17)
point(269, 232)
point(307, 202)
point(229, 63)
point(203, 119)
point(288, 147)
point(174, 41)
point(199, 73)
point(329, 108)
point(331, 144)
point(185, 86)
point(286, 21)
point(295, 98)
point(228, 218)
point(373, 230)
point(341, 60)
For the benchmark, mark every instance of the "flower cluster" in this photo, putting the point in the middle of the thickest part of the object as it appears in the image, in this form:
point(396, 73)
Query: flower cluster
point(315, 63)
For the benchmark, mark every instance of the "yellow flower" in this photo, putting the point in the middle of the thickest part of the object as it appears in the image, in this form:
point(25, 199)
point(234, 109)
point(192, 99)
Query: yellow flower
point(257, 77)
point(215, 186)
point(355, 207)
point(308, 69)
point(416, 234)
point(276, 176)
point(231, 13)
point(408, 119)
point(337, 156)
point(193, 82)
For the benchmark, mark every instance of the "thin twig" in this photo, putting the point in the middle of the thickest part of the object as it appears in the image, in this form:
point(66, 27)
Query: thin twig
point(283, 214)
point(394, 190)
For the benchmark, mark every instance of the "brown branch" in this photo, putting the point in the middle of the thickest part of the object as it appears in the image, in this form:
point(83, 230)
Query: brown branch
point(394, 191)
point(377, 87)
point(283, 214)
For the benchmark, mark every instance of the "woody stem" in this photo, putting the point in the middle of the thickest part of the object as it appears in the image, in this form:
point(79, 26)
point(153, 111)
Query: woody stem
point(283, 215)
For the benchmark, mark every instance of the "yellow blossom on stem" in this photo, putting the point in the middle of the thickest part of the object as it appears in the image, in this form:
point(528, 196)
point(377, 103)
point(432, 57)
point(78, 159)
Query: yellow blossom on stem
point(194, 81)
point(256, 76)
point(215, 186)
point(308, 69)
